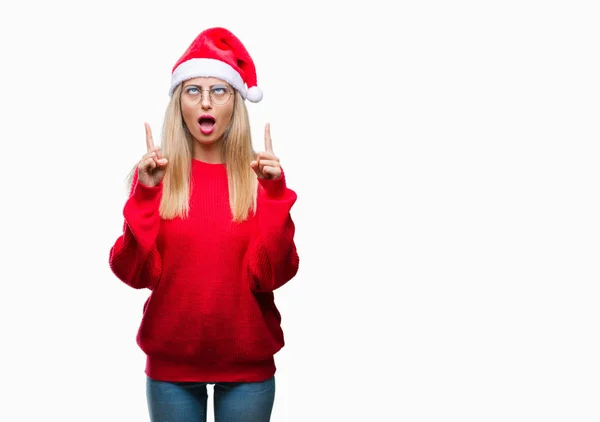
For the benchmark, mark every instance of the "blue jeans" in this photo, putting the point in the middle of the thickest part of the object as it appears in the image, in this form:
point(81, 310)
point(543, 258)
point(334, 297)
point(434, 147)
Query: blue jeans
point(233, 401)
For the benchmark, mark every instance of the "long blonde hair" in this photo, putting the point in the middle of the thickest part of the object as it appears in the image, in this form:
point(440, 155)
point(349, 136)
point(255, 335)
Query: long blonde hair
point(177, 147)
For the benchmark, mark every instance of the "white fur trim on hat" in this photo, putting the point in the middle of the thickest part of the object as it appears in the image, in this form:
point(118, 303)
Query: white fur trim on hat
point(195, 68)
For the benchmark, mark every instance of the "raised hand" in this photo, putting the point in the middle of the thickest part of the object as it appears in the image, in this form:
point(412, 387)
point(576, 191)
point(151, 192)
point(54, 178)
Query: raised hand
point(153, 166)
point(266, 165)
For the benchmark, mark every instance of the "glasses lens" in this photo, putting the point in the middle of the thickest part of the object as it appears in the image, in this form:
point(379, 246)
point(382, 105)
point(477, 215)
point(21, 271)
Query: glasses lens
point(191, 96)
point(219, 94)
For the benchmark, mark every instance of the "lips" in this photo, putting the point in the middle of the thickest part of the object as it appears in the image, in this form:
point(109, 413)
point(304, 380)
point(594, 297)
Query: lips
point(207, 123)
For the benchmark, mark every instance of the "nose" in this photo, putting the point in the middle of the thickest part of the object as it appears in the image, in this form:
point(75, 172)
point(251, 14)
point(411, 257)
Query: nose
point(205, 101)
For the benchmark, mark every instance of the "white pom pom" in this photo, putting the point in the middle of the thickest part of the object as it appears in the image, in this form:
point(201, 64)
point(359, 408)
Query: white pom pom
point(254, 94)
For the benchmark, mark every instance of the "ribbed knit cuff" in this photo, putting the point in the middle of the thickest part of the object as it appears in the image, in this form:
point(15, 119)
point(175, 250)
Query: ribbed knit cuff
point(143, 193)
point(142, 215)
point(274, 187)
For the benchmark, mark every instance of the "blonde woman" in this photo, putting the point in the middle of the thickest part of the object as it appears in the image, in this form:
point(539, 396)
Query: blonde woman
point(208, 231)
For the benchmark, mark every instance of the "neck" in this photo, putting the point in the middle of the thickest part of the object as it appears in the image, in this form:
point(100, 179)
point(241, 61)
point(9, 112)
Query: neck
point(211, 153)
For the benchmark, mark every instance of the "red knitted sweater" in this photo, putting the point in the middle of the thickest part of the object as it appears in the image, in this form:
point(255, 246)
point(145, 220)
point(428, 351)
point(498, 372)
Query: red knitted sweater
point(210, 315)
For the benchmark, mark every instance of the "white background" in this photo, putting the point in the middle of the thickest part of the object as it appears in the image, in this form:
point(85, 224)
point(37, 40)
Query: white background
point(445, 156)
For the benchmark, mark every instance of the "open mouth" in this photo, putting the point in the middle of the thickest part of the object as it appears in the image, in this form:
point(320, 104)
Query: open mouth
point(207, 123)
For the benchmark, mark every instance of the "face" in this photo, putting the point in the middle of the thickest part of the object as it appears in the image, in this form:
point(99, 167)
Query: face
point(207, 107)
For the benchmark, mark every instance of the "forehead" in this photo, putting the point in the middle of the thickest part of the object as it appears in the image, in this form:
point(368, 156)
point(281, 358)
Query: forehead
point(204, 81)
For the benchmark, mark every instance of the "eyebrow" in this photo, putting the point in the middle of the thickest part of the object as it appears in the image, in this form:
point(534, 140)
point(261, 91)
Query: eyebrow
point(200, 86)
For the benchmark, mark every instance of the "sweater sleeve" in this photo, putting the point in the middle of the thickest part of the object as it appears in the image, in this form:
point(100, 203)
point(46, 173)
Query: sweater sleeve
point(134, 257)
point(273, 256)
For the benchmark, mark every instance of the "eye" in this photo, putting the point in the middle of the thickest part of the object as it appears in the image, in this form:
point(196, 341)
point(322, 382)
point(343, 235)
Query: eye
point(192, 90)
point(219, 90)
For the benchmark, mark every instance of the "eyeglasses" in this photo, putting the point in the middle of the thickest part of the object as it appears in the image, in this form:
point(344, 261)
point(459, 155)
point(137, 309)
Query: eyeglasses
point(218, 94)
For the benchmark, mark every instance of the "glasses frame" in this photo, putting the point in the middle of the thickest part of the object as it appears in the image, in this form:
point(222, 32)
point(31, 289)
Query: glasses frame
point(230, 93)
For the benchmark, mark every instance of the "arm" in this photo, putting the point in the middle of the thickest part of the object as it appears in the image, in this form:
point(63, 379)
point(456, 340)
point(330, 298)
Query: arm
point(134, 258)
point(273, 257)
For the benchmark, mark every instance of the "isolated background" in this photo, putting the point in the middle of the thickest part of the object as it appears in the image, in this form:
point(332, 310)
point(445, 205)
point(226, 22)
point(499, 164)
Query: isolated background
point(445, 159)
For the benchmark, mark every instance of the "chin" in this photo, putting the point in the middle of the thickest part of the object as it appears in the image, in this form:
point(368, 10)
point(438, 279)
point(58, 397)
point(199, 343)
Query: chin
point(207, 139)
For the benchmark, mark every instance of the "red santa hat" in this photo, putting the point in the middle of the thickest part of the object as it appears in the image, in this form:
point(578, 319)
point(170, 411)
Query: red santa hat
point(217, 53)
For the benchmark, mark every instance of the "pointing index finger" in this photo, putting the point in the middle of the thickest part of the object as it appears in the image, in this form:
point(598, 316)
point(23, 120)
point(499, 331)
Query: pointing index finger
point(268, 142)
point(149, 139)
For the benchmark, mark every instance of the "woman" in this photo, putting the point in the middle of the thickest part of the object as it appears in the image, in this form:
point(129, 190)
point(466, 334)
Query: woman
point(208, 231)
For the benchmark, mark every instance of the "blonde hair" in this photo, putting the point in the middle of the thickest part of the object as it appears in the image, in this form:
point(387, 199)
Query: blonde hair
point(177, 147)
